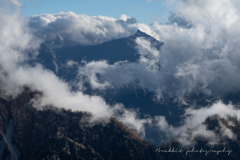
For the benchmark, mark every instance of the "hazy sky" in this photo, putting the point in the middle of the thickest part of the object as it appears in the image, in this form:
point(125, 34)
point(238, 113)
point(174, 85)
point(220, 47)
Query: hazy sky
point(142, 10)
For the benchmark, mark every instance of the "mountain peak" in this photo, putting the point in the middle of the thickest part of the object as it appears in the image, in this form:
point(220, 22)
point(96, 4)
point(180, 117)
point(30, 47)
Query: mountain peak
point(140, 34)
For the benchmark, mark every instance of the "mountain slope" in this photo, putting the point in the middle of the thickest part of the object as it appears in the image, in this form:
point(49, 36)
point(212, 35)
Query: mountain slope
point(112, 51)
point(116, 50)
point(54, 133)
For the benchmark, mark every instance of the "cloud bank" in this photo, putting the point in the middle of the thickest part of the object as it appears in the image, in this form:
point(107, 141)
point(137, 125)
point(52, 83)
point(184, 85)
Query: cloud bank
point(68, 28)
point(202, 55)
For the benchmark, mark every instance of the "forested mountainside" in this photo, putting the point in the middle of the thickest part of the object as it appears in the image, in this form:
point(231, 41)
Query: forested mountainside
point(54, 133)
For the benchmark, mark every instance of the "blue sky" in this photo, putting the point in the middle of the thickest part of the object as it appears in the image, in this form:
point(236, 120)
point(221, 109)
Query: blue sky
point(143, 11)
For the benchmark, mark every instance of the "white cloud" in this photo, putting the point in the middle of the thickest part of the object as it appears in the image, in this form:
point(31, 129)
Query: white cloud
point(193, 126)
point(17, 44)
point(68, 28)
point(204, 55)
